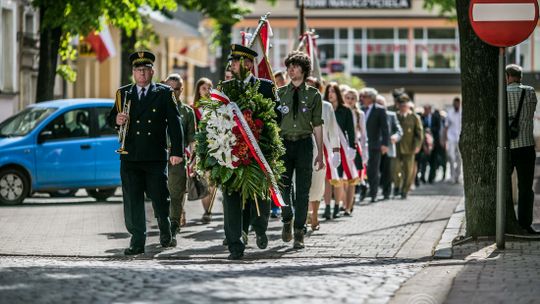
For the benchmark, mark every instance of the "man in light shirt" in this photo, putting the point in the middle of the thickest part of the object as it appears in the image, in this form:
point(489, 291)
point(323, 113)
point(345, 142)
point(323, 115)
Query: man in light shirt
point(453, 130)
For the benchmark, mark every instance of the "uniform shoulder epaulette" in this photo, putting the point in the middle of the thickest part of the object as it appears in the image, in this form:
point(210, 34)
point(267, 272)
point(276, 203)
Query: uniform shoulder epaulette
point(266, 80)
point(127, 86)
point(161, 86)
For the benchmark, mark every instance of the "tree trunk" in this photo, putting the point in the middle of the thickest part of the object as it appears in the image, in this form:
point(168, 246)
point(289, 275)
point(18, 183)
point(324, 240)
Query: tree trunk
point(128, 47)
point(478, 141)
point(225, 42)
point(49, 43)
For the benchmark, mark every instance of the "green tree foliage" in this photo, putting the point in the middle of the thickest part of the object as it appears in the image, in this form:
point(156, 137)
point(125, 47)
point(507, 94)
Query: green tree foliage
point(62, 19)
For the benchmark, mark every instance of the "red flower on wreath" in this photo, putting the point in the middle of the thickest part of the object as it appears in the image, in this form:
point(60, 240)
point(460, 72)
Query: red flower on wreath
point(241, 148)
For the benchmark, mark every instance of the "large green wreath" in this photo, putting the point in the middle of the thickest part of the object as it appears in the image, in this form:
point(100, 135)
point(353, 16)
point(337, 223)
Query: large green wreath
point(248, 179)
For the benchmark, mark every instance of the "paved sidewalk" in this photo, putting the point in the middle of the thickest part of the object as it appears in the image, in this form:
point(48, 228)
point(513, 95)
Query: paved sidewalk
point(394, 228)
point(480, 273)
point(70, 251)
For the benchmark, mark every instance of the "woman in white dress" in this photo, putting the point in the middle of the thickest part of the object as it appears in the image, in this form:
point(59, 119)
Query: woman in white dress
point(331, 153)
point(351, 98)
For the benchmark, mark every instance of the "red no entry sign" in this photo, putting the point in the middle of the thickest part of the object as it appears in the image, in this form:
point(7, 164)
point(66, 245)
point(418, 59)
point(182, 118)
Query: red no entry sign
point(503, 23)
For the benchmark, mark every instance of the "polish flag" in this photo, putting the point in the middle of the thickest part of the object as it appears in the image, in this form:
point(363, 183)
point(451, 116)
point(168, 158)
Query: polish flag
point(261, 45)
point(102, 43)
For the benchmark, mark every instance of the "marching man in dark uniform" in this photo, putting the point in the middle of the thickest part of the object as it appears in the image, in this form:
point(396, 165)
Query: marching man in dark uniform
point(143, 167)
point(301, 108)
point(238, 220)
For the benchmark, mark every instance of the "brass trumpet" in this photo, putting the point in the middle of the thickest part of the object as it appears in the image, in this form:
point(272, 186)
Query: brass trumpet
point(122, 132)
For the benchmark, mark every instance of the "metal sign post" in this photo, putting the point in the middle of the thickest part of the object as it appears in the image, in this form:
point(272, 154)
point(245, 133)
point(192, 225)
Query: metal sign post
point(502, 23)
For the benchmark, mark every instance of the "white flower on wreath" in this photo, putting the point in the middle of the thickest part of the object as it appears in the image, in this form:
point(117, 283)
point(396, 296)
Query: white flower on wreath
point(220, 137)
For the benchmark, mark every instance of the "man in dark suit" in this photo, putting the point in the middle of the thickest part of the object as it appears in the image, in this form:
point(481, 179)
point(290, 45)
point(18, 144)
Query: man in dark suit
point(378, 137)
point(143, 163)
point(432, 120)
point(236, 219)
point(388, 160)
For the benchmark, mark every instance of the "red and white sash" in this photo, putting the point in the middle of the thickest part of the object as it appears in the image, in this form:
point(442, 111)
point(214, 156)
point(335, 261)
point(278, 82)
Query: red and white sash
point(254, 148)
point(350, 172)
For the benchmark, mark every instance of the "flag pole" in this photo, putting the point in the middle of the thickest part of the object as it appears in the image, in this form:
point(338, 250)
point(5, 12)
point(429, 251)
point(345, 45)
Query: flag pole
point(301, 17)
point(258, 29)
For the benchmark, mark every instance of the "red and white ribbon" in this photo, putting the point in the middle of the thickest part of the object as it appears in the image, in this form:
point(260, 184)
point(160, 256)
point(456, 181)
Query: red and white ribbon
point(349, 168)
point(254, 148)
point(331, 171)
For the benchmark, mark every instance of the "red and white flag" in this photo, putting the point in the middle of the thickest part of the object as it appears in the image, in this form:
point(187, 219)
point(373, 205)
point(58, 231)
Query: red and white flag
point(260, 44)
point(102, 43)
point(308, 44)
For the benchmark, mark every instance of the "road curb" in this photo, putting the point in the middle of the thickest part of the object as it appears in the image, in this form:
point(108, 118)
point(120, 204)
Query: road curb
point(444, 250)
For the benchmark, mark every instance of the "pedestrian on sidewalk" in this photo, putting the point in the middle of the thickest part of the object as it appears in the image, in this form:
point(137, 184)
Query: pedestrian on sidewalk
point(241, 212)
point(301, 108)
point(388, 160)
point(332, 159)
point(378, 138)
point(521, 106)
point(202, 89)
point(409, 145)
point(178, 174)
point(452, 133)
point(153, 116)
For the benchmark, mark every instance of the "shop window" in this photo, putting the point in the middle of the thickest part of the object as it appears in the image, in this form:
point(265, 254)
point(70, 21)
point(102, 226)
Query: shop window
point(403, 33)
point(418, 33)
point(384, 33)
point(441, 33)
point(325, 33)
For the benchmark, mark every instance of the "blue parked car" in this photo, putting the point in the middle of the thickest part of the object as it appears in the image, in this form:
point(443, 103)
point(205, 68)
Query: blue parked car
point(59, 146)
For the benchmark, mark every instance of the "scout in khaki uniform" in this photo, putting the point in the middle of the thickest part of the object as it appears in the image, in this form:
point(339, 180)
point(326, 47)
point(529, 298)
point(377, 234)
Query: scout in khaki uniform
point(177, 174)
point(301, 109)
point(408, 146)
point(152, 117)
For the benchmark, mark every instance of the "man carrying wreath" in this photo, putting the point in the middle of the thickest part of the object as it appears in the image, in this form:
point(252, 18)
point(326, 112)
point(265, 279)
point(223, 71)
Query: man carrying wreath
point(240, 211)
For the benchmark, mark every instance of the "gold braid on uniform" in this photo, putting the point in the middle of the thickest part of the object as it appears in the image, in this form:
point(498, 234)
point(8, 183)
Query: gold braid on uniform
point(118, 101)
point(174, 99)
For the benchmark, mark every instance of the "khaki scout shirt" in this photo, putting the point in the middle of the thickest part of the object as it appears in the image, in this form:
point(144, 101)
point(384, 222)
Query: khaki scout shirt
point(413, 133)
point(187, 118)
point(309, 110)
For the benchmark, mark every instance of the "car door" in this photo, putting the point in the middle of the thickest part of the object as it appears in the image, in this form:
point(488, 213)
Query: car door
point(65, 153)
point(107, 160)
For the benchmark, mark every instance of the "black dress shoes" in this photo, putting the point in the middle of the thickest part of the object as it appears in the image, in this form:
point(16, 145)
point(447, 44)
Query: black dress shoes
point(133, 250)
point(531, 230)
point(235, 256)
point(262, 241)
point(326, 213)
point(286, 233)
point(165, 235)
point(373, 200)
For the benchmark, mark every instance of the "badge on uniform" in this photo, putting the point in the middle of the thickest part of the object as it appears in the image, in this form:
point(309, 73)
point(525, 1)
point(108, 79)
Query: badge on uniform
point(284, 109)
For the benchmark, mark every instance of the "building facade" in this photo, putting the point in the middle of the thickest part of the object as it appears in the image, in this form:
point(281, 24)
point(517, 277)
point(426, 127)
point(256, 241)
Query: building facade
point(19, 42)
point(387, 43)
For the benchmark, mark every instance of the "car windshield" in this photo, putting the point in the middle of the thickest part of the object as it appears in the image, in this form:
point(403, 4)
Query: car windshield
point(24, 122)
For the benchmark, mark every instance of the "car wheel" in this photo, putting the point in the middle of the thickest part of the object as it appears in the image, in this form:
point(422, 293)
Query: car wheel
point(14, 187)
point(101, 194)
point(63, 193)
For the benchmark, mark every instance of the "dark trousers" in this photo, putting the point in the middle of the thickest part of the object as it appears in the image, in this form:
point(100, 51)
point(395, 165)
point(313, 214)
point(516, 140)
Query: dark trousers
point(250, 216)
point(373, 167)
point(234, 218)
point(434, 159)
point(298, 158)
point(523, 159)
point(138, 178)
point(386, 175)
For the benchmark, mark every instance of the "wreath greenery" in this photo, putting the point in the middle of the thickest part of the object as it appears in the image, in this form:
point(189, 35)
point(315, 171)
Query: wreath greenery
point(245, 175)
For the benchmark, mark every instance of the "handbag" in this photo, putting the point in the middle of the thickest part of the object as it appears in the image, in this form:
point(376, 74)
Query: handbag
point(513, 132)
point(197, 187)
